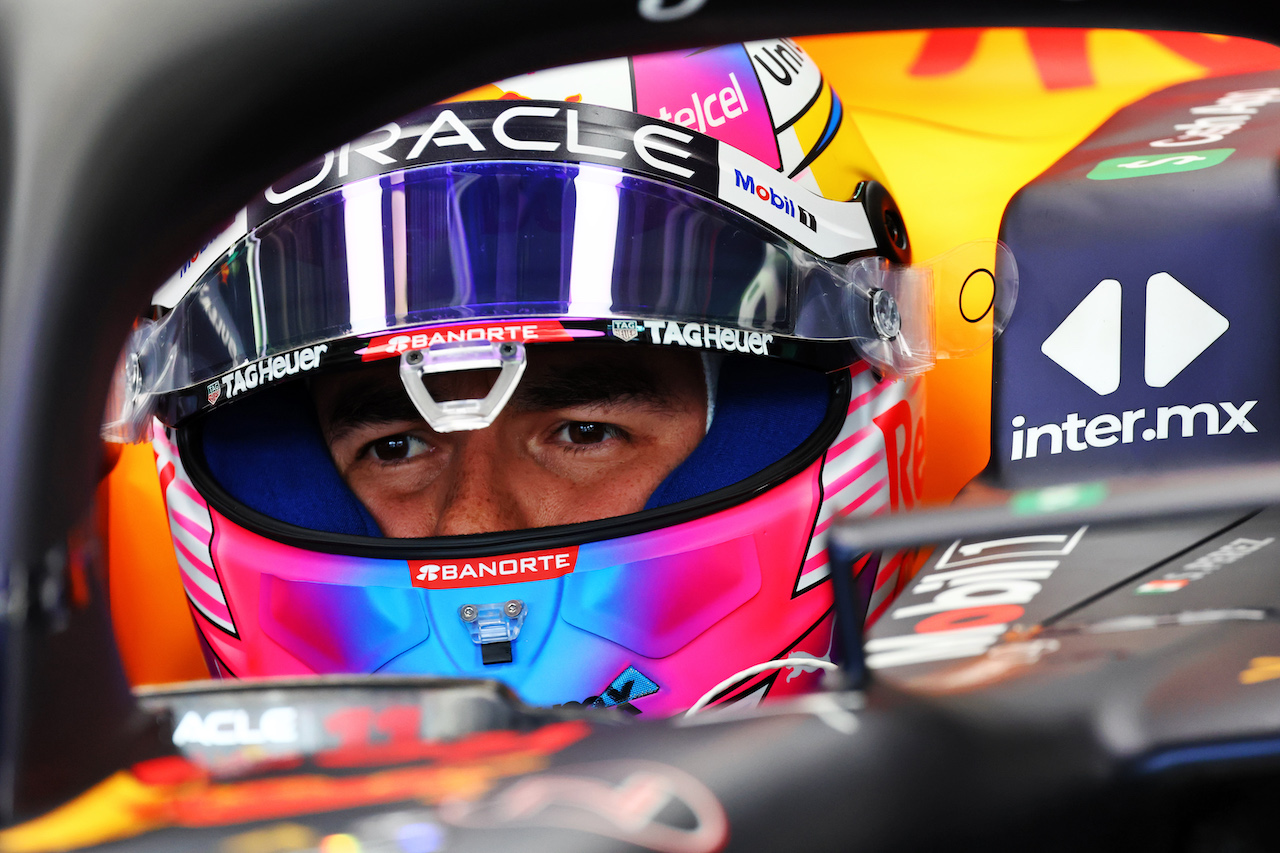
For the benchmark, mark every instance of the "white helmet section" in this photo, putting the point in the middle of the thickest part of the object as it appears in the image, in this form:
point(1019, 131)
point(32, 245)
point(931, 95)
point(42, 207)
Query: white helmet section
point(825, 227)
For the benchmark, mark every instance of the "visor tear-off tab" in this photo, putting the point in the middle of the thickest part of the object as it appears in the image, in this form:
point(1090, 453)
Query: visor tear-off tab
point(468, 414)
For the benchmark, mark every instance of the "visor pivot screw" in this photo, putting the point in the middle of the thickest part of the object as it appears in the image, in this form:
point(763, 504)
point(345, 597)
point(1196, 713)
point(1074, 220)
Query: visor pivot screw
point(133, 374)
point(468, 612)
point(413, 357)
point(513, 608)
point(507, 350)
point(884, 315)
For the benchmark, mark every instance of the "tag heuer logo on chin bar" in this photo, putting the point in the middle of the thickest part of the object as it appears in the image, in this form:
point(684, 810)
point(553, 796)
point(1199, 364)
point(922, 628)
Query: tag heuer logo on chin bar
point(626, 330)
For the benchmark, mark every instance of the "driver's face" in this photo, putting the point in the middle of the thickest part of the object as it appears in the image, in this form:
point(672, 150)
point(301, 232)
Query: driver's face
point(589, 434)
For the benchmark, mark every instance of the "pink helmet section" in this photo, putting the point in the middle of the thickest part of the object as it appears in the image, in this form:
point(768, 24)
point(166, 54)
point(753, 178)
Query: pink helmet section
point(715, 92)
point(684, 605)
point(192, 528)
point(873, 466)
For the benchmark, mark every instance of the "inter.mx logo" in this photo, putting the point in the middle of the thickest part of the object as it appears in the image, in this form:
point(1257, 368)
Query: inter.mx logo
point(1179, 327)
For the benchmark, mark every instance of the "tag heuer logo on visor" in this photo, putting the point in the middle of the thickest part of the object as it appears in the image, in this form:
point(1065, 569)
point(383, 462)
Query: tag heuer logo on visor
point(215, 391)
point(626, 330)
point(487, 571)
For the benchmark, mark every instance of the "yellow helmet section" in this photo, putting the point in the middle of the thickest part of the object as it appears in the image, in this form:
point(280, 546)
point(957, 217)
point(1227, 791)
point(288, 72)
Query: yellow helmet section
point(847, 160)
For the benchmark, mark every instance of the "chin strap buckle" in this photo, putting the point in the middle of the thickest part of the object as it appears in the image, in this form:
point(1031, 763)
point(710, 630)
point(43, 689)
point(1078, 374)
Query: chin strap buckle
point(457, 415)
point(493, 627)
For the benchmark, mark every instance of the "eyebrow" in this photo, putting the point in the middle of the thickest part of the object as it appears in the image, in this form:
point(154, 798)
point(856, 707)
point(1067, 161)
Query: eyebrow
point(370, 403)
point(584, 384)
point(591, 383)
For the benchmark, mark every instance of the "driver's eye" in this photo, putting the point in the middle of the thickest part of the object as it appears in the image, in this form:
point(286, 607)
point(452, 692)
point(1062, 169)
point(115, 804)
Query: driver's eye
point(587, 433)
point(394, 448)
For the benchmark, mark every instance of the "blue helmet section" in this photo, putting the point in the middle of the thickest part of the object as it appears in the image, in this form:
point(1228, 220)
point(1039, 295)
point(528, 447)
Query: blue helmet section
point(268, 453)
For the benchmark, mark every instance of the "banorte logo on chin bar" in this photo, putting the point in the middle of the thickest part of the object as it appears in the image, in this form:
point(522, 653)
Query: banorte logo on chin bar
point(499, 569)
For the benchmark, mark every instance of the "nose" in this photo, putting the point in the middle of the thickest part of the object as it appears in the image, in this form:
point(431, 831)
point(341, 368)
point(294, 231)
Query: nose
point(481, 494)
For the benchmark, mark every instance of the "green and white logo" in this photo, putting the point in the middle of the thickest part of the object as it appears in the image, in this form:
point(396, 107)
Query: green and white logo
point(1147, 164)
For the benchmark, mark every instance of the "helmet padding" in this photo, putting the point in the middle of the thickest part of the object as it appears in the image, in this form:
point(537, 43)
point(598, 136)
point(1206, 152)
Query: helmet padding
point(268, 452)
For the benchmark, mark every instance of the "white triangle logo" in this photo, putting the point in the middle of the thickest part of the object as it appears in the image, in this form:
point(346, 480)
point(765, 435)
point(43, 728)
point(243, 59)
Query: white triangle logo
point(1087, 343)
point(1180, 326)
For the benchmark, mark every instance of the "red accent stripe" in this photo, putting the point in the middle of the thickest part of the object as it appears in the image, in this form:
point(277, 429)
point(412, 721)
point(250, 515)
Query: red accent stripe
point(1061, 57)
point(814, 562)
point(879, 611)
point(945, 52)
point(190, 525)
point(863, 399)
point(866, 496)
point(202, 600)
point(887, 570)
point(167, 473)
point(863, 498)
point(197, 562)
point(190, 491)
point(854, 473)
point(845, 444)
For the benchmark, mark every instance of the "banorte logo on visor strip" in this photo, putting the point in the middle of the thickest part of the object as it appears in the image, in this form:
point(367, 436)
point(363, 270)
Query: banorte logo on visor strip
point(537, 331)
point(489, 571)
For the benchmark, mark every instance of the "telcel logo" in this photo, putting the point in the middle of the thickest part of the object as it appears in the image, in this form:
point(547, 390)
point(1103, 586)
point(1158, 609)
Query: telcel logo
point(730, 100)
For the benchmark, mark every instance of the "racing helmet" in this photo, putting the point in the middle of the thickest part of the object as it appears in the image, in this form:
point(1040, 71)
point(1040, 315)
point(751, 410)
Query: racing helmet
point(696, 238)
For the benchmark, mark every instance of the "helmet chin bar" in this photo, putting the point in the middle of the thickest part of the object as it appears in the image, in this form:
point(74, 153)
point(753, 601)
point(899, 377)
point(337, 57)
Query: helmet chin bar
point(468, 414)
